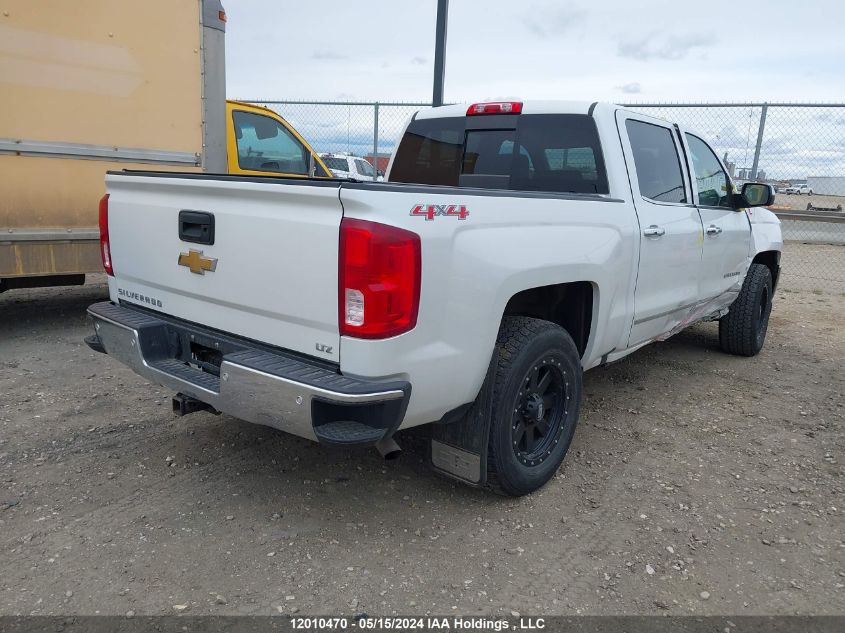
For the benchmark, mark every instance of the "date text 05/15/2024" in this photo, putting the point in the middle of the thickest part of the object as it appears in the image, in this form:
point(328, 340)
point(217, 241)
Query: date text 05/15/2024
point(431, 623)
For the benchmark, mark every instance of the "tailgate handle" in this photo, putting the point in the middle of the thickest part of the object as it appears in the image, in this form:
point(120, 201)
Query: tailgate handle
point(196, 227)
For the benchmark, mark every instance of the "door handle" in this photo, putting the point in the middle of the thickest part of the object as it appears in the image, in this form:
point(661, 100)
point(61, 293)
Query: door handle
point(713, 229)
point(654, 231)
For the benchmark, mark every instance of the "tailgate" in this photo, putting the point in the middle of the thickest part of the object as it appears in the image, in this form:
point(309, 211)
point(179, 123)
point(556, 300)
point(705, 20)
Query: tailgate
point(275, 245)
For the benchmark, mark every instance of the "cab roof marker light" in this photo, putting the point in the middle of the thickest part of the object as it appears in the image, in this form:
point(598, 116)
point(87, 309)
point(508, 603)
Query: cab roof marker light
point(495, 107)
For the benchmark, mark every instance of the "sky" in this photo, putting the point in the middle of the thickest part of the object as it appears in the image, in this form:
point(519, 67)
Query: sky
point(608, 50)
point(624, 52)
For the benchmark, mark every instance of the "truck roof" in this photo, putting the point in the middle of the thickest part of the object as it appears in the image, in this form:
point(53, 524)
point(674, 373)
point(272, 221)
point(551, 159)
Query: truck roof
point(528, 107)
point(535, 107)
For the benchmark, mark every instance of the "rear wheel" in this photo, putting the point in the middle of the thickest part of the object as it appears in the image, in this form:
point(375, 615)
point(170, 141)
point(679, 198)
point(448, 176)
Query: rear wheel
point(742, 331)
point(536, 401)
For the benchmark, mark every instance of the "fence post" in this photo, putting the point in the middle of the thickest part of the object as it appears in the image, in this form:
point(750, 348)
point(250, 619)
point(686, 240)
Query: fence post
point(375, 140)
point(759, 141)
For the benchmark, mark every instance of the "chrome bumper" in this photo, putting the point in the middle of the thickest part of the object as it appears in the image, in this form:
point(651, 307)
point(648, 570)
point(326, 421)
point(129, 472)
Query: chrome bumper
point(255, 384)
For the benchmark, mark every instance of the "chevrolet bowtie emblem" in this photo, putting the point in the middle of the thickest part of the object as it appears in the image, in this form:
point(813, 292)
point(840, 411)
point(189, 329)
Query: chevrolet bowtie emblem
point(196, 262)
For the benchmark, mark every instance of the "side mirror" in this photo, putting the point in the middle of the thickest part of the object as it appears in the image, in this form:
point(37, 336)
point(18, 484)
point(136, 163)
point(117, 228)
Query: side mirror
point(380, 172)
point(312, 165)
point(755, 194)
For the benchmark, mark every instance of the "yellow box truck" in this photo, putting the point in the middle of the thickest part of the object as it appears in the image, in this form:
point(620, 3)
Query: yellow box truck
point(96, 85)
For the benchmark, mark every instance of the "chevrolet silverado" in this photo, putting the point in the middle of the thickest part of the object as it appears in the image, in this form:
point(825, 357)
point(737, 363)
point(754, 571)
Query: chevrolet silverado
point(513, 246)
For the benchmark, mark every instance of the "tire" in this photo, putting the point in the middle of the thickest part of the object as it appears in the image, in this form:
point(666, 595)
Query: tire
point(742, 331)
point(537, 384)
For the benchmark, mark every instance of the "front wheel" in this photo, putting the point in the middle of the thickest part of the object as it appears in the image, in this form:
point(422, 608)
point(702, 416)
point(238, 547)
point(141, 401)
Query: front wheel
point(742, 331)
point(536, 401)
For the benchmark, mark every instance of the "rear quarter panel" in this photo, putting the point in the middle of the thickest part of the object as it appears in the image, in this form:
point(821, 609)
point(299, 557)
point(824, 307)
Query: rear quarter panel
point(471, 268)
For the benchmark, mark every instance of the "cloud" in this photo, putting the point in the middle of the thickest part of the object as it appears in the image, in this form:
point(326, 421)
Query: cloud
point(326, 55)
point(419, 61)
point(632, 88)
point(546, 22)
point(670, 48)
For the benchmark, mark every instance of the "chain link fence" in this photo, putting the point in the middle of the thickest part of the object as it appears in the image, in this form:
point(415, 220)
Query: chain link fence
point(798, 148)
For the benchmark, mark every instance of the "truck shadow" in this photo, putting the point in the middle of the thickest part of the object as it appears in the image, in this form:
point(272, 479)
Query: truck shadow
point(36, 310)
point(276, 469)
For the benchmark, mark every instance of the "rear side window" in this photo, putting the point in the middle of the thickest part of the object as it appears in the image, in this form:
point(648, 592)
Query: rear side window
point(542, 152)
point(430, 152)
point(656, 161)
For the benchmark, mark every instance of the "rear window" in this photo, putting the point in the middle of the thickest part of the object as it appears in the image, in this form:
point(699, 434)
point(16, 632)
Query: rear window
point(541, 152)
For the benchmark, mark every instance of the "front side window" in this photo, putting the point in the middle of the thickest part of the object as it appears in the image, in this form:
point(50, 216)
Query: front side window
point(656, 161)
point(710, 178)
point(264, 144)
point(364, 168)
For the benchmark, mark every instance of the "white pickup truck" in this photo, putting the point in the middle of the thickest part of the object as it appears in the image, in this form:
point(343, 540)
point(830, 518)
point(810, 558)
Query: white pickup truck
point(514, 246)
point(799, 189)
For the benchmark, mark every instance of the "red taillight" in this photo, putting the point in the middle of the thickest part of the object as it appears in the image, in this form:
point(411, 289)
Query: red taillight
point(379, 280)
point(105, 248)
point(495, 107)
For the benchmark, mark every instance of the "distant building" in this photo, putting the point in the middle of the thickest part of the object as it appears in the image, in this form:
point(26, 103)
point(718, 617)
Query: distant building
point(827, 185)
point(380, 162)
point(745, 173)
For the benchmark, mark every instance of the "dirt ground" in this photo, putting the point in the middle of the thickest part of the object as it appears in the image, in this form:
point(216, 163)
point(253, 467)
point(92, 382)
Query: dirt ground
point(698, 483)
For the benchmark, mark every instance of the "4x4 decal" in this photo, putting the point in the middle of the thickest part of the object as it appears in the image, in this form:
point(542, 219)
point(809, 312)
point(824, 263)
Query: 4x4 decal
point(431, 211)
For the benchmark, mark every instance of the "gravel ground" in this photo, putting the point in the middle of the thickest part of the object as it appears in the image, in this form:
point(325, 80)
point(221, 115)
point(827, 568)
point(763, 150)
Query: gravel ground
point(799, 203)
point(698, 483)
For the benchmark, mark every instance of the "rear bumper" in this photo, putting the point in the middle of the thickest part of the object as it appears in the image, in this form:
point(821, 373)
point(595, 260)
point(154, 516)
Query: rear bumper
point(251, 382)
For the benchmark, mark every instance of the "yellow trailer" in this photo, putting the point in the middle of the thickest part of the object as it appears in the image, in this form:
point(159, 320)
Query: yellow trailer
point(96, 85)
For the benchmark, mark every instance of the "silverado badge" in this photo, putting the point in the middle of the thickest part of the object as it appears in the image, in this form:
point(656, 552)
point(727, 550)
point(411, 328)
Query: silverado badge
point(196, 262)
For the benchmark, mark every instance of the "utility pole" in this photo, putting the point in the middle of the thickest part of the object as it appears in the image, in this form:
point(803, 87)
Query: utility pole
point(759, 141)
point(440, 52)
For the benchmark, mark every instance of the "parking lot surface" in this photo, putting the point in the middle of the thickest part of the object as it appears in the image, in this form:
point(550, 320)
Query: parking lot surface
point(697, 483)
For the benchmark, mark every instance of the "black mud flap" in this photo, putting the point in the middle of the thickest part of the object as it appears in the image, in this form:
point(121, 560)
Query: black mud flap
point(459, 447)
